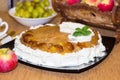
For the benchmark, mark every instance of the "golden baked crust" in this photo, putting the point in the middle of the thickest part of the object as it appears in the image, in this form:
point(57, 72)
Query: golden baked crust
point(50, 39)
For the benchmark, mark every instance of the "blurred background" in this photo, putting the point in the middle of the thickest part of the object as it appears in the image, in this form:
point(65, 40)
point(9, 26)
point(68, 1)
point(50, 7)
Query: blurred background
point(5, 5)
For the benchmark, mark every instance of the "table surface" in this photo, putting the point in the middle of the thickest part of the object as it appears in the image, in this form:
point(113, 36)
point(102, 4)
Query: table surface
point(109, 69)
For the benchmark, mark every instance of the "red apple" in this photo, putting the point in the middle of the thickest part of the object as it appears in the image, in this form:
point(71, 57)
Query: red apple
point(90, 2)
point(106, 5)
point(71, 2)
point(8, 60)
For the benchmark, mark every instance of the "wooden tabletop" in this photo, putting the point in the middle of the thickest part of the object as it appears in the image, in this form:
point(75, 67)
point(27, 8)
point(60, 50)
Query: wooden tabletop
point(109, 69)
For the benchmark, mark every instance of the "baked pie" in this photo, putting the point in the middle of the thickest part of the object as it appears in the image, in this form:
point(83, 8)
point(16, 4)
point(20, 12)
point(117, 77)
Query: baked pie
point(66, 44)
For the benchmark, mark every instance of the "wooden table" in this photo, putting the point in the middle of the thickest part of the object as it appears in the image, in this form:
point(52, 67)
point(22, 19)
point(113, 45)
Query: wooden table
point(109, 69)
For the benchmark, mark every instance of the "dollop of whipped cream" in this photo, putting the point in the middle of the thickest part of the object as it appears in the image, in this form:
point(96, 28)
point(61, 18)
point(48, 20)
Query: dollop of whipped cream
point(69, 27)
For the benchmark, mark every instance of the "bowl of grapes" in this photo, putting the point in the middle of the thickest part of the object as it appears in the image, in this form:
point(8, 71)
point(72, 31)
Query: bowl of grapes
point(33, 12)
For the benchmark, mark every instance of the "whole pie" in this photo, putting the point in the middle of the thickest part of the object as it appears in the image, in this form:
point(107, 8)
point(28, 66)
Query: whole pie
point(66, 44)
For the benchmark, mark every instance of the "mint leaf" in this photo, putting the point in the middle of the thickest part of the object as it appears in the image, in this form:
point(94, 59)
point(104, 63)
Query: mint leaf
point(87, 33)
point(77, 34)
point(85, 28)
point(78, 29)
point(82, 31)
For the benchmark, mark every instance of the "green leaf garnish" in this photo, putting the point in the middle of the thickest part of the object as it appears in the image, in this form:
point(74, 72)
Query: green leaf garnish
point(82, 31)
point(85, 28)
point(77, 34)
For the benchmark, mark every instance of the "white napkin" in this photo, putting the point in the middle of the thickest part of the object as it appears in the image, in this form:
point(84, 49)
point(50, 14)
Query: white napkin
point(6, 39)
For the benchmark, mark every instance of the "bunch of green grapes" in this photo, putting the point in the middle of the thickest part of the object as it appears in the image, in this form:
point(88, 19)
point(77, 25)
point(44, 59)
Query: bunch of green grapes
point(33, 9)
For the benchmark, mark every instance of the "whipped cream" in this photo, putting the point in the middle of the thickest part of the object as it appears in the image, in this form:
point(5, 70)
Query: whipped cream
point(69, 27)
point(39, 57)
